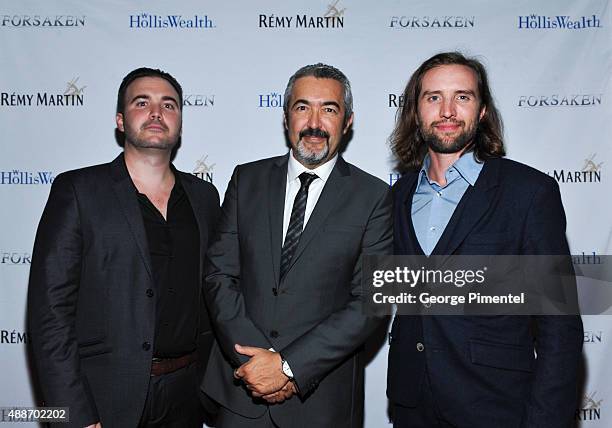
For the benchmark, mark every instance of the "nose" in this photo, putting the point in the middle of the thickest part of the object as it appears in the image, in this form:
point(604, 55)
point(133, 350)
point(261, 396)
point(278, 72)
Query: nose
point(155, 111)
point(314, 119)
point(447, 109)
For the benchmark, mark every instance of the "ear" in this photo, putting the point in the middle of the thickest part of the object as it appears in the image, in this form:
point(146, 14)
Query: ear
point(483, 110)
point(119, 121)
point(348, 124)
point(285, 122)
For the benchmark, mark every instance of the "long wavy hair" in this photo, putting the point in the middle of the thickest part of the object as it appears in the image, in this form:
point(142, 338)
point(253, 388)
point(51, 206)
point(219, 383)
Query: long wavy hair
point(406, 141)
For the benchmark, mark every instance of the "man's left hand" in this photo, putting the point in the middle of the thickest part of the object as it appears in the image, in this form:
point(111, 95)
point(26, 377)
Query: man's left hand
point(262, 374)
point(285, 393)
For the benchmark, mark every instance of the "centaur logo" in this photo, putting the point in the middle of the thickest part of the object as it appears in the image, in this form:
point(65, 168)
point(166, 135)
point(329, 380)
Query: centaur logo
point(590, 409)
point(203, 170)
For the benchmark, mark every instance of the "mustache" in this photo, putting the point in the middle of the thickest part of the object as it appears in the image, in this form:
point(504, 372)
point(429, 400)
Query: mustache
point(454, 122)
point(313, 132)
point(154, 122)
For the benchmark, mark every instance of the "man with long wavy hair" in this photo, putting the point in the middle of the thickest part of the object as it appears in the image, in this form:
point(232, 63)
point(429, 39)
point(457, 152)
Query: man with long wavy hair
point(458, 196)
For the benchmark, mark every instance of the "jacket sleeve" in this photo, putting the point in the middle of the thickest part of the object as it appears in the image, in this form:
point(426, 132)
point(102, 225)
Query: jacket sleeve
point(559, 337)
point(222, 288)
point(52, 298)
point(317, 352)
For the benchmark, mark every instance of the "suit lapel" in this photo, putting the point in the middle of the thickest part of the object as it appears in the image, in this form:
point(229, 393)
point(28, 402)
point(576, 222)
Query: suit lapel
point(198, 212)
point(128, 202)
point(408, 242)
point(276, 208)
point(331, 194)
point(473, 205)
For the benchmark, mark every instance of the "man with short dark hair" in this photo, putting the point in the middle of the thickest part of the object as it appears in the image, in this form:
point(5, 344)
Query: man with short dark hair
point(458, 196)
point(283, 279)
point(120, 334)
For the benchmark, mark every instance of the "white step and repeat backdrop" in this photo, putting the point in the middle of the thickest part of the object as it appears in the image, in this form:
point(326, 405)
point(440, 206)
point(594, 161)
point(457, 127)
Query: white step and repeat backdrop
point(61, 63)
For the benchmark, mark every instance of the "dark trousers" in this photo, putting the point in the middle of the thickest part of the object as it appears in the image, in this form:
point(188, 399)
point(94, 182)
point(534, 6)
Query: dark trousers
point(424, 415)
point(173, 400)
point(229, 419)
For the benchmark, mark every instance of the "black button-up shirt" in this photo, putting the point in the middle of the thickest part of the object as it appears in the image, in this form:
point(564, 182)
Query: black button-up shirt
point(174, 245)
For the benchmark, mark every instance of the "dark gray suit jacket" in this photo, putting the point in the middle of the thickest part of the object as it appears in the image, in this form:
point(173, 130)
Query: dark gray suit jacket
point(315, 317)
point(90, 313)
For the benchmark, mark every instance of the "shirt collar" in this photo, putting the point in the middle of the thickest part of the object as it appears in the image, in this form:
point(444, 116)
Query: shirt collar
point(294, 168)
point(467, 167)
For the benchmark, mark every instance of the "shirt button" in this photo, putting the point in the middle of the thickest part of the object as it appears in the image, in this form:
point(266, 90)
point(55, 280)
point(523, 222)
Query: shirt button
point(432, 228)
point(439, 193)
point(149, 292)
point(274, 334)
point(420, 347)
point(146, 346)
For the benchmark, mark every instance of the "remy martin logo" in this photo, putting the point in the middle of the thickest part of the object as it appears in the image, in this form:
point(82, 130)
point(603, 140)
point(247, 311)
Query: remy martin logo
point(590, 408)
point(333, 17)
point(334, 11)
point(73, 89)
point(204, 170)
point(71, 97)
point(590, 172)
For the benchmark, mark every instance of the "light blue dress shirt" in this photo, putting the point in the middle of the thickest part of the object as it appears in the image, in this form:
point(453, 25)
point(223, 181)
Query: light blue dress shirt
point(433, 205)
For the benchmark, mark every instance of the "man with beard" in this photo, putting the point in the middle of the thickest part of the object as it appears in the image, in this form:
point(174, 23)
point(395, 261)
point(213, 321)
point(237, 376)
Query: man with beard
point(120, 334)
point(283, 278)
point(458, 196)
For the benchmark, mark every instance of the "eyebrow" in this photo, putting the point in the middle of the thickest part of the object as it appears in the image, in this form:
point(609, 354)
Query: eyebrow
point(147, 97)
point(461, 91)
point(325, 103)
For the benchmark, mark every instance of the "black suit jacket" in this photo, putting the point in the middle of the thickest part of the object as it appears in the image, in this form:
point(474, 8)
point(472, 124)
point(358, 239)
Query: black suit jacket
point(314, 314)
point(482, 368)
point(90, 316)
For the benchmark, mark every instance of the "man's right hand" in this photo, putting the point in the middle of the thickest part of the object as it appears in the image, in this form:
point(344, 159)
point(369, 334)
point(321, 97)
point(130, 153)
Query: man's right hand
point(98, 425)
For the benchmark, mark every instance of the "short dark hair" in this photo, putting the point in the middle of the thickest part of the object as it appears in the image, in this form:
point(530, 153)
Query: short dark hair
point(406, 140)
point(146, 72)
point(321, 71)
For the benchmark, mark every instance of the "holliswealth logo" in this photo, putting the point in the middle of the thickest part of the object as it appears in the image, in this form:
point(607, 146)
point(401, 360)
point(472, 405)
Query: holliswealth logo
point(71, 97)
point(271, 100)
point(152, 21)
point(18, 177)
point(558, 22)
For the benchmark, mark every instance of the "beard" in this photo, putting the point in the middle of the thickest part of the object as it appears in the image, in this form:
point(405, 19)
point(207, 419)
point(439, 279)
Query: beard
point(133, 138)
point(311, 157)
point(447, 144)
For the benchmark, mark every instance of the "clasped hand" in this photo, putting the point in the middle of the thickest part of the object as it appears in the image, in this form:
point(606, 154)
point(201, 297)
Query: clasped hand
point(263, 376)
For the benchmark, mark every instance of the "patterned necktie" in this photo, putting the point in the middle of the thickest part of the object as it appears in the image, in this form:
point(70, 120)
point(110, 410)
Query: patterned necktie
point(296, 223)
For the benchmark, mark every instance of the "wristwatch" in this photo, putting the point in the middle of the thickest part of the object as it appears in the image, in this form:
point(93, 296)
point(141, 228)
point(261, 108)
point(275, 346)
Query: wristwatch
point(285, 368)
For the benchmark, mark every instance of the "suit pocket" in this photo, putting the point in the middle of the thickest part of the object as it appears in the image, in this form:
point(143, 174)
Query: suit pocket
point(92, 347)
point(502, 355)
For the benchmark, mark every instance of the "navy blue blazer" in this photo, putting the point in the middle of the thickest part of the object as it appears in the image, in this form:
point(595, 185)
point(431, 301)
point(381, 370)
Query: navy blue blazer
point(482, 369)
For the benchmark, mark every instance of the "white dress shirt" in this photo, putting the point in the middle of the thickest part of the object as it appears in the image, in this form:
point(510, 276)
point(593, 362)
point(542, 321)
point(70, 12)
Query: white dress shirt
point(294, 169)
